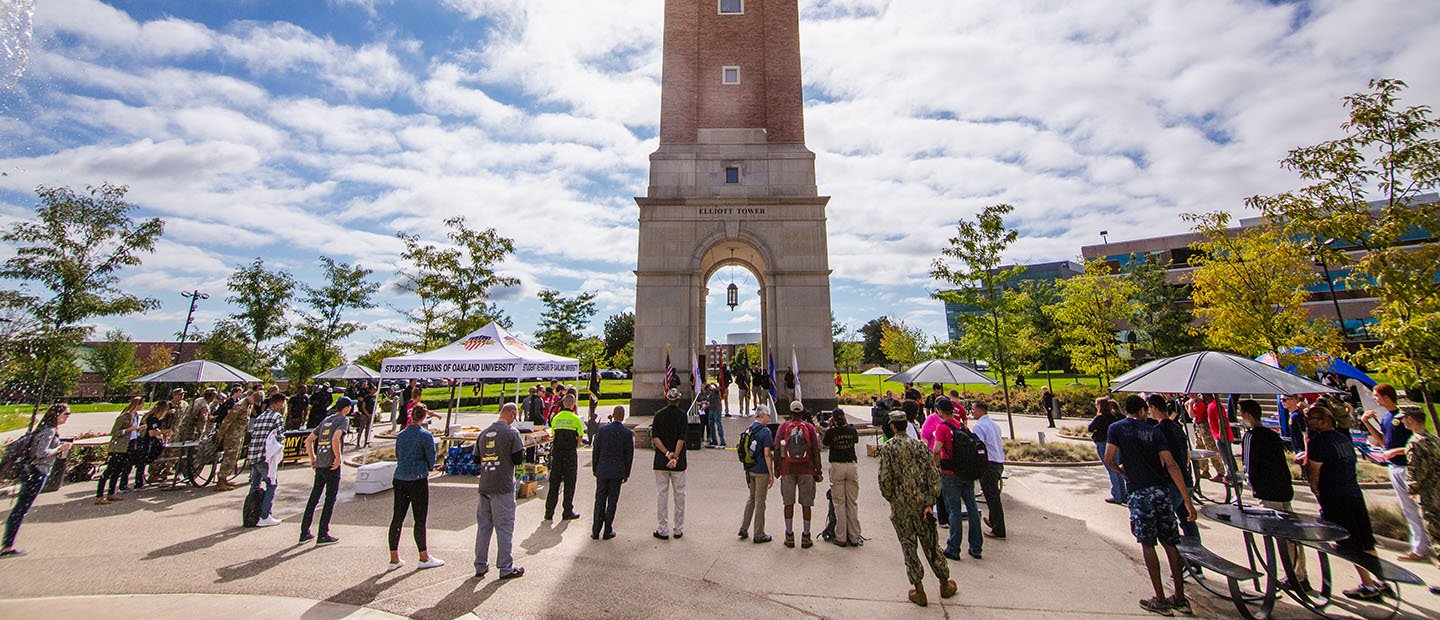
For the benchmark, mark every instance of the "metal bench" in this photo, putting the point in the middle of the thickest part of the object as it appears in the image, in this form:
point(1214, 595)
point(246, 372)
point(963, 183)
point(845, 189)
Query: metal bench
point(1198, 555)
point(1380, 567)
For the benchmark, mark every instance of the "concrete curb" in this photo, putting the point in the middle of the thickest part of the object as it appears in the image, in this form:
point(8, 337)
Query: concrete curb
point(1035, 464)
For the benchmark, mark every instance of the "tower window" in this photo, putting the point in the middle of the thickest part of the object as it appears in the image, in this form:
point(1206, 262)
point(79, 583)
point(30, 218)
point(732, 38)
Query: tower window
point(732, 7)
point(732, 175)
point(731, 75)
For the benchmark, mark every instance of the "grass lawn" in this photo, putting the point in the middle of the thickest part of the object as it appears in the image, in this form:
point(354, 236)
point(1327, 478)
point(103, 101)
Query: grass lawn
point(874, 384)
point(495, 389)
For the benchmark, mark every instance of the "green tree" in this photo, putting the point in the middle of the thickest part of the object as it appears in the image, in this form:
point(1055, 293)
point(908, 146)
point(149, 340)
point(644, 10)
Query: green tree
point(263, 297)
point(1394, 150)
point(308, 353)
point(1163, 322)
point(624, 359)
point(1033, 304)
point(228, 342)
point(902, 344)
point(159, 358)
point(54, 373)
point(425, 275)
point(345, 288)
point(979, 279)
point(114, 360)
point(870, 341)
point(619, 331)
point(563, 320)
point(1249, 286)
point(377, 354)
point(466, 276)
point(1092, 306)
point(74, 250)
point(589, 349)
point(848, 354)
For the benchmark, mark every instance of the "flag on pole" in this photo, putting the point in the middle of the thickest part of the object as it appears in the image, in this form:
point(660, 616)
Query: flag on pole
point(774, 396)
point(594, 381)
point(670, 379)
point(695, 373)
point(795, 366)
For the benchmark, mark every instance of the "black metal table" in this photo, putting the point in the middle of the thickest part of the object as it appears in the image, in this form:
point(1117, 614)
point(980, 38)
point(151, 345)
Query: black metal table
point(1274, 528)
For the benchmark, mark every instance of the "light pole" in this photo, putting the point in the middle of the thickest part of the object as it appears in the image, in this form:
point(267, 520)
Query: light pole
point(1104, 237)
point(195, 297)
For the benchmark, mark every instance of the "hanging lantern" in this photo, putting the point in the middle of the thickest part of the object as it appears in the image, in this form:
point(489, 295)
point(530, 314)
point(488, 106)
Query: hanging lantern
point(732, 296)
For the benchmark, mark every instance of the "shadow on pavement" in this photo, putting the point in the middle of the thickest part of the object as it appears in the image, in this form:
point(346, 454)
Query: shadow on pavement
point(360, 594)
point(258, 566)
point(547, 534)
point(462, 600)
point(197, 544)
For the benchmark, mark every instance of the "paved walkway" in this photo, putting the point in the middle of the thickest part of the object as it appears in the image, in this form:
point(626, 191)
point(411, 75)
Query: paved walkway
point(152, 606)
point(1069, 556)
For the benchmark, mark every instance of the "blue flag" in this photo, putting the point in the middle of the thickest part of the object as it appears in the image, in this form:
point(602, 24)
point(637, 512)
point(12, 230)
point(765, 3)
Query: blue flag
point(774, 396)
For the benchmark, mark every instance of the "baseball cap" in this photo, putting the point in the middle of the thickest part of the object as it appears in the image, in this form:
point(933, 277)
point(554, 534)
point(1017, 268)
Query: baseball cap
point(796, 406)
point(673, 394)
point(342, 403)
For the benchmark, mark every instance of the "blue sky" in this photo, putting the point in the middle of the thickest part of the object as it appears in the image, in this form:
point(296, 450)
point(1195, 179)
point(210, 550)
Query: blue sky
point(293, 129)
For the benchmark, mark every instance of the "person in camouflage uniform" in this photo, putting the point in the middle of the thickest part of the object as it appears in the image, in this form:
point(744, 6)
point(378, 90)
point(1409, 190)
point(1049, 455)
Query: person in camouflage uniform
point(910, 482)
point(232, 436)
point(1423, 476)
point(191, 424)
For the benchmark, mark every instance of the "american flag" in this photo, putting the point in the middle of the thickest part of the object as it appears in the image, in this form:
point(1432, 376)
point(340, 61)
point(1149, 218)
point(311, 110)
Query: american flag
point(670, 379)
point(475, 342)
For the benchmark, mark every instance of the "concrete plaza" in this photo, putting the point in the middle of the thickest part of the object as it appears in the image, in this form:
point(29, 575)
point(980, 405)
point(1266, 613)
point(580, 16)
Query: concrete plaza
point(182, 554)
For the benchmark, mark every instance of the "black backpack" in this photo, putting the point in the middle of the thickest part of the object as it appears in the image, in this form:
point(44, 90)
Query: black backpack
point(16, 458)
point(250, 513)
point(968, 457)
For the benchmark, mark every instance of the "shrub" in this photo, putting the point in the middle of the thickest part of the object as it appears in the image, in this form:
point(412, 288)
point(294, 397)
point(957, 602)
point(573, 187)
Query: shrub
point(1051, 452)
point(1387, 520)
point(1078, 431)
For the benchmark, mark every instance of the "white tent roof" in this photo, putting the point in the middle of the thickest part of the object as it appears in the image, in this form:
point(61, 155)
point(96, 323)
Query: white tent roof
point(487, 353)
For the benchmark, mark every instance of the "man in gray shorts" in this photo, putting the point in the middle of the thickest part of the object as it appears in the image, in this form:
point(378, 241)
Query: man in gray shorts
point(797, 459)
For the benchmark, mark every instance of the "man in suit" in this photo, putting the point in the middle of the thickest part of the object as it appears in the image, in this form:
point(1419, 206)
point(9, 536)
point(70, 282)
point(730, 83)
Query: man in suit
point(614, 451)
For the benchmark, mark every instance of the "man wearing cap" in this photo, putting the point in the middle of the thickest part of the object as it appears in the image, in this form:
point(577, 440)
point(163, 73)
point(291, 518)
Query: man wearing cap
point(324, 446)
point(908, 481)
point(192, 425)
point(798, 467)
point(667, 437)
point(567, 429)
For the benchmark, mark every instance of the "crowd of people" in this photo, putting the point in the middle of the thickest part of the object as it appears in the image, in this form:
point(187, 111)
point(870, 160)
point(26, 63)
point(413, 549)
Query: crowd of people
point(1147, 452)
point(938, 454)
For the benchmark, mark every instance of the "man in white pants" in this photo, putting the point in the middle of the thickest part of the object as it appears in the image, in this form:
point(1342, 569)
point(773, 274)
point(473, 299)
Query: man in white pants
point(1392, 436)
point(667, 436)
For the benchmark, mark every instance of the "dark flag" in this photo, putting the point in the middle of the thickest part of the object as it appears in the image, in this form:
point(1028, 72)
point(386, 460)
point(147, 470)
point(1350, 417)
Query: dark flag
point(670, 379)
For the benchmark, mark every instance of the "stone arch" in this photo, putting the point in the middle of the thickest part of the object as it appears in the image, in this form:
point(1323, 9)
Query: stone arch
point(714, 253)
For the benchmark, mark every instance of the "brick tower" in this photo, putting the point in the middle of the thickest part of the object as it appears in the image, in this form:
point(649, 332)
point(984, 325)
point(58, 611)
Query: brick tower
point(732, 184)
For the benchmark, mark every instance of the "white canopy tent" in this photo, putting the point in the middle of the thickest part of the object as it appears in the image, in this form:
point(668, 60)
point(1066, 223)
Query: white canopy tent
point(490, 352)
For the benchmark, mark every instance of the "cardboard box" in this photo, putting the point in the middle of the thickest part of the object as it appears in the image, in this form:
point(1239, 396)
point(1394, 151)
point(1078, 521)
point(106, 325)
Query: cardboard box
point(525, 489)
point(872, 450)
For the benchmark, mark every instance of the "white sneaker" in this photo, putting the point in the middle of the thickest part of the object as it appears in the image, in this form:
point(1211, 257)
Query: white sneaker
point(267, 522)
point(394, 565)
point(433, 562)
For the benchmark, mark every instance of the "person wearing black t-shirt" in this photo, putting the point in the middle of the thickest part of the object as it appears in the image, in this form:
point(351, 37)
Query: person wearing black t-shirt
point(841, 438)
point(667, 436)
point(1263, 453)
point(1329, 465)
point(1140, 453)
point(1179, 447)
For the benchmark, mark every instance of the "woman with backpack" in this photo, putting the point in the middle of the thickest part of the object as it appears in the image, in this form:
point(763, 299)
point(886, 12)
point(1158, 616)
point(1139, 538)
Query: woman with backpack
point(117, 466)
point(1107, 412)
point(41, 447)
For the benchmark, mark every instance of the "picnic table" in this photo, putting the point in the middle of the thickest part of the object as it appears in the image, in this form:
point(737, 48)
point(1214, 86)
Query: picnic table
point(1263, 565)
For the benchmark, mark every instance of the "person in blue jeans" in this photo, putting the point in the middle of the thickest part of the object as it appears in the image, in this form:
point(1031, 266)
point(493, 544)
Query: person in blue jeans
point(955, 491)
point(43, 446)
point(1107, 412)
point(264, 430)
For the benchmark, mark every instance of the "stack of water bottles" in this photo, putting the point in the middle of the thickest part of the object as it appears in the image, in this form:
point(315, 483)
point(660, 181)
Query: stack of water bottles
point(460, 461)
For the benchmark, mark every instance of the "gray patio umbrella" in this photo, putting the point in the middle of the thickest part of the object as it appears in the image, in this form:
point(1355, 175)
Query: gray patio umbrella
point(941, 371)
point(877, 372)
point(199, 371)
point(1214, 372)
point(349, 371)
